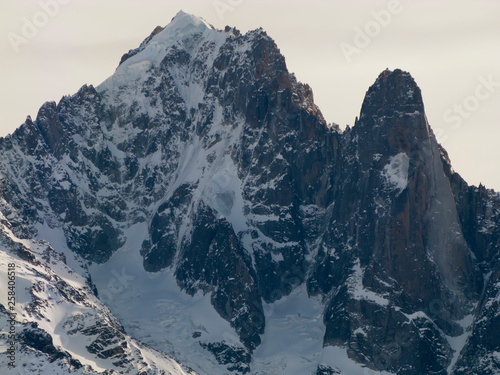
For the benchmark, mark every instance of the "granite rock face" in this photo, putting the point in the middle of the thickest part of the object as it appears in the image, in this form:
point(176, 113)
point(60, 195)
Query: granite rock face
point(247, 195)
point(405, 265)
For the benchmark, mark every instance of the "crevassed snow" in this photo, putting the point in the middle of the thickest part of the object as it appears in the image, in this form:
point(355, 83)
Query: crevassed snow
point(293, 339)
point(396, 172)
point(153, 309)
point(151, 306)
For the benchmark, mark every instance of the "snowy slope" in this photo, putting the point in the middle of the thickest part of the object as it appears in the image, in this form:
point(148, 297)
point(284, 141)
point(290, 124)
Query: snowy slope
point(51, 299)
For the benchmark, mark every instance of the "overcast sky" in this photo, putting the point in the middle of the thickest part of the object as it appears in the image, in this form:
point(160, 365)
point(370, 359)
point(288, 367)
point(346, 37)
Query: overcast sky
point(50, 48)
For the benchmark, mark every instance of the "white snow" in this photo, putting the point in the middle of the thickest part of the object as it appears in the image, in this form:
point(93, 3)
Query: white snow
point(56, 314)
point(56, 310)
point(182, 28)
point(293, 339)
point(56, 238)
point(396, 172)
point(359, 331)
point(458, 343)
point(153, 309)
point(358, 291)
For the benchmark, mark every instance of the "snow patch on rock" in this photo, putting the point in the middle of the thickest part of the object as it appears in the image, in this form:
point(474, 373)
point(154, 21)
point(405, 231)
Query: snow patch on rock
point(358, 291)
point(396, 172)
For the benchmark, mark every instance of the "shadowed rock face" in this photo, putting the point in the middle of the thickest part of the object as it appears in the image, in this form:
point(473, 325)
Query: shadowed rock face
point(405, 248)
point(248, 194)
point(421, 231)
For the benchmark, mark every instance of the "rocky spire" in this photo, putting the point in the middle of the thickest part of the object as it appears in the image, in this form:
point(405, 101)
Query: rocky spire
point(392, 118)
point(393, 91)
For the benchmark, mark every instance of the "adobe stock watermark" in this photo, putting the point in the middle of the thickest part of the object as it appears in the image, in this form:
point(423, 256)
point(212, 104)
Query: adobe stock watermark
point(363, 36)
point(31, 26)
point(221, 7)
point(117, 284)
point(459, 112)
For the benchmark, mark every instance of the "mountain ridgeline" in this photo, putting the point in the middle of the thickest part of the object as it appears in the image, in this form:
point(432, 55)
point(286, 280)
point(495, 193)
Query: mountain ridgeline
point(204, 159)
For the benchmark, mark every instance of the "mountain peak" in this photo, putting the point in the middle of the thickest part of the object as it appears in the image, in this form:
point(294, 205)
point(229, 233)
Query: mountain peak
point(392, 118)
point(182, 29)
point(393, 91)
point(182, 19)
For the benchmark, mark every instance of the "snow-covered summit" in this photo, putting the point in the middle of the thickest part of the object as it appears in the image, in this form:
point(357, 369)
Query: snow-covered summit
point(184, 30)
point(183, 19)
point(183, 26)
